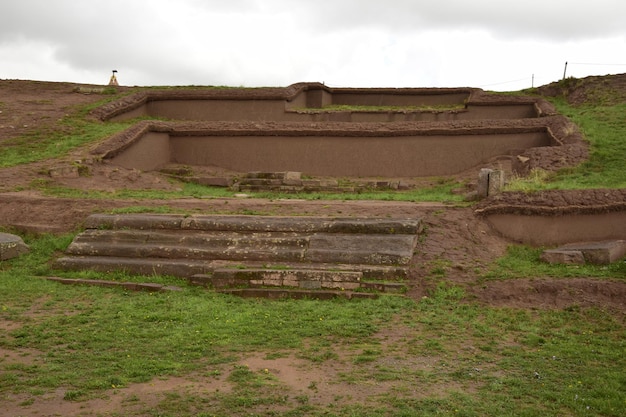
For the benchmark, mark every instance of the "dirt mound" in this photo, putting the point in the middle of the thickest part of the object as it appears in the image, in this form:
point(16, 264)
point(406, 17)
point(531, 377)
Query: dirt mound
point(596, 90)
point(553, 294)
point(30, 106)
point(555, 202)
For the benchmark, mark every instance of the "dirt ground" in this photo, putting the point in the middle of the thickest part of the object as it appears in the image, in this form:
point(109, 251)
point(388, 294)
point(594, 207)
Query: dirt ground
point(454, 237)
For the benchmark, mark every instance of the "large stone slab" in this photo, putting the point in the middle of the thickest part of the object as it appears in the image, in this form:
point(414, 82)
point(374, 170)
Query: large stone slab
point(560, 256)
point(140, 266)
point(282, 293)
point(11, 246)
point(361, 248)
point(598, 253)
point(238, 223)
point(298, 253)
point(299, 278)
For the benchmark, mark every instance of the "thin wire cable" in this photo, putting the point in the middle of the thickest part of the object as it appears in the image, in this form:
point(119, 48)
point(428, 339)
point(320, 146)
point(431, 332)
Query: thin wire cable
point(591, 63)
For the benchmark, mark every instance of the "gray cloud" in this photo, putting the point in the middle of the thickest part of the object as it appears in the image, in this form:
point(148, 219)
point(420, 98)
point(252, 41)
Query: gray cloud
point(553, 19)
point(269, 42)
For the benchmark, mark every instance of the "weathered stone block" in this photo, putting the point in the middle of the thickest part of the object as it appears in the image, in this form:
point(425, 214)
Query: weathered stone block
point(483, 183)
point(598, 253)
point(496, 182)
point(557, 256)
point(340, 285)
point(364, 249)
point(204, 247)
point(328, 183)
point(310, 285)
point(292, 176)
point(11, 246)
point(605, 252)
point(293, 182)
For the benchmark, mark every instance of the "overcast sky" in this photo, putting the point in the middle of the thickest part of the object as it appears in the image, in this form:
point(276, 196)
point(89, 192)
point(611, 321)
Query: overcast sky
point(492, 44)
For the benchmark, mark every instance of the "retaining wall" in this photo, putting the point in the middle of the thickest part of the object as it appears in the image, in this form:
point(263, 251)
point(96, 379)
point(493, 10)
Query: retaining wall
point(276, 110)
point(387, 156)
point(290, 129)
point(289, 105)
point(547, 230)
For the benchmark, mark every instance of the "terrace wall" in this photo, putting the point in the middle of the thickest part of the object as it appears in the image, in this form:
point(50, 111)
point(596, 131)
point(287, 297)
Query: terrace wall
point(387, 156)
point(308, 104)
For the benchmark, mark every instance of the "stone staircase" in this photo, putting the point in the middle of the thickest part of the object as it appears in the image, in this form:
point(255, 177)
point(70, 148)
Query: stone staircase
point(287, 182)
point(253, 255)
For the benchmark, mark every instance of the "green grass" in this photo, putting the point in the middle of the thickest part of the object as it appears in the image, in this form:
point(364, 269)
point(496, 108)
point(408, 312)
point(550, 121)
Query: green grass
point(186, 190)
point(524, 262)
point(363, 108)
point(441, 191)
point(443, 355)
point(69, 133)
point(604, 126)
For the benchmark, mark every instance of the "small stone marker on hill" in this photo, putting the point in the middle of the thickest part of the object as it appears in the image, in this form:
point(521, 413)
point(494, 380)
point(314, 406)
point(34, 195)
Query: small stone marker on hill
point(11, 246)
point(490, 182)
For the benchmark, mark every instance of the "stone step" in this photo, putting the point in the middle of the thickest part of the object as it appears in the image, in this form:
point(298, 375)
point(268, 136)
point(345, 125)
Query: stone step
point(186, 268)
point(282, 293)
point(261, 182)
point(138, 266)
point(295, 189)
point(185, 244)
point(297, 278)
point(286, 175)
point(131, 286)
point(387, 287)
point(361, 249)
point(254, 223)
point(315, 248)
point(192, 237)
point(160, 251)
point(208, 181)
point(313, 253)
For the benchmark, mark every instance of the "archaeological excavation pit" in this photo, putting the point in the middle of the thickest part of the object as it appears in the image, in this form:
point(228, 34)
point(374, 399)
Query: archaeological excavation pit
point(323, 131)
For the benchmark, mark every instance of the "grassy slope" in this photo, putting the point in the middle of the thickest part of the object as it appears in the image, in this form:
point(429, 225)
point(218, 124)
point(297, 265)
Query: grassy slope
point(605, 128)
point(450, 357)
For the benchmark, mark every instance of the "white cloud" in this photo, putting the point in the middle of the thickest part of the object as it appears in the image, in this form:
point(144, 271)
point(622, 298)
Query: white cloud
point(340, 42)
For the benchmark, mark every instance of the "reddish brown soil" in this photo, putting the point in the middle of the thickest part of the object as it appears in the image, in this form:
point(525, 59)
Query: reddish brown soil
point(456, 242)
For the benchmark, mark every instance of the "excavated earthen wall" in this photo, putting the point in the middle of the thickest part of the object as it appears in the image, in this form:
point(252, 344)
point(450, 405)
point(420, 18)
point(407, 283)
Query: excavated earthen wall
point(391, 156)
point(149, 153)
point(547, 230)
point(278, 111)
point(290, 104)
point(231, 139)
point(391, 99)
